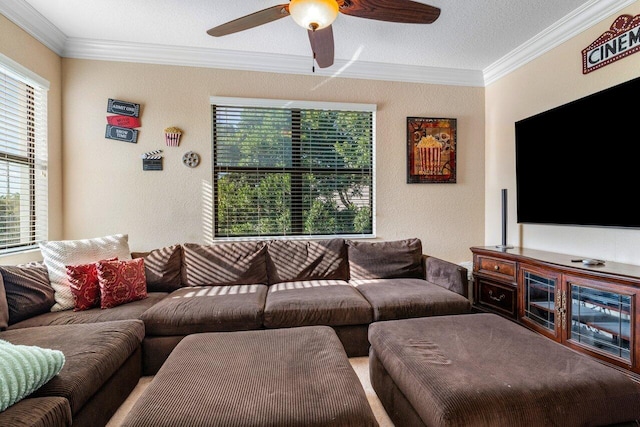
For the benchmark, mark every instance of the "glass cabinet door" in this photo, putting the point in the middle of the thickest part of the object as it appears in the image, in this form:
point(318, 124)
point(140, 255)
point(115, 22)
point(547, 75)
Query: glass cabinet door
point(601, 320)
point(539, 301)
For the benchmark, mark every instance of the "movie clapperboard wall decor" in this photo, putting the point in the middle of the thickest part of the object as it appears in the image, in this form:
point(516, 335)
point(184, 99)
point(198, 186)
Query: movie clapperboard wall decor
point(152, 160)
point(122, 125)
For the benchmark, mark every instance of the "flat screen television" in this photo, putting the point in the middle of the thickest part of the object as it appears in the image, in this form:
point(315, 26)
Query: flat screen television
point(579, 164)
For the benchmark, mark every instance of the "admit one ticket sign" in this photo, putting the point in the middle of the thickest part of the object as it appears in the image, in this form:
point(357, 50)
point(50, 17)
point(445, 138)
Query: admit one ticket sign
point(121, 126)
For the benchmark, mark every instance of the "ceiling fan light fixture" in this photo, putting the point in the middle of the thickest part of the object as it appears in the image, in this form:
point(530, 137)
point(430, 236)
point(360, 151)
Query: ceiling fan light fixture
point(313, 14)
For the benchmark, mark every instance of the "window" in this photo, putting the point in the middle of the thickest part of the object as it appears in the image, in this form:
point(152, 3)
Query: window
point(289, 168)
point(23, 157)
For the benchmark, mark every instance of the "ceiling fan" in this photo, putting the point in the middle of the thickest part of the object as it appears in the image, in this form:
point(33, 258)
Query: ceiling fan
point(316, 16)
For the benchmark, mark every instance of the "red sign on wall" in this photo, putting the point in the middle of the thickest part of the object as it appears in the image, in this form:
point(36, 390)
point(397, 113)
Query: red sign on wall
point(124, 121)
point(621, 40)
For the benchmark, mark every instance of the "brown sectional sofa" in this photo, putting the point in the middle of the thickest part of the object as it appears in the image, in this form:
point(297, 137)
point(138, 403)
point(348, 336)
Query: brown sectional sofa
point(231, 286)
point(103, 364)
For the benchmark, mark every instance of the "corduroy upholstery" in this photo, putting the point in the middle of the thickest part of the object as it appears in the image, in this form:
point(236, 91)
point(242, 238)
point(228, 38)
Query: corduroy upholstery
point(94, 352)
point(308, 284)
point(162, 268)
point(132, 310)
point(301, 260)
point(385, 260)
point(315, 302)
point(207, 309)
point(483, 370)
point(4, 307)
point(446, 275)
point(27, 289)
point(237, 263)
point(406, 298)
point(38, 412)
point(231, 286)
point(282, 377)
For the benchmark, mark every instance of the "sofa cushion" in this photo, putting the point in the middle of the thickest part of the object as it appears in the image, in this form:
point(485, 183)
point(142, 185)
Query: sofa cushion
point(316, 302)
point(121, 282)
point(385, 260)
point(207, 309)
point(93, 353)
point(295, 260)
point(38, 412)
point(84, 285)
point(58, 254)
point(162, 268)
point(4, 307)
point(129, 311)
point(405, 298)
point(27, 289)
point(24, 369)
point(237, 263)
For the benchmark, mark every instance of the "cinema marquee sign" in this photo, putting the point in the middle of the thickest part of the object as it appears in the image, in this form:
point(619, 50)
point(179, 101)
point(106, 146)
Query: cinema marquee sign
point(621, 40)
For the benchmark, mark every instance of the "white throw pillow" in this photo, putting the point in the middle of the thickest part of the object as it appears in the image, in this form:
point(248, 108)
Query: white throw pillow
point(58, 254)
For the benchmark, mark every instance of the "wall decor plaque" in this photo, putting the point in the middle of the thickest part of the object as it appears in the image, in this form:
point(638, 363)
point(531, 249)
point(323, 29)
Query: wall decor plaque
point(123, 108)
point(121, 134)
point(621, 40)
point(124, 121)
point(431, 150)
point(152, 164)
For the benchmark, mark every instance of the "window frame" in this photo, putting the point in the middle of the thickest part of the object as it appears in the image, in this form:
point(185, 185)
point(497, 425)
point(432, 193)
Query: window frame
point(35, 158)
point(292, 105)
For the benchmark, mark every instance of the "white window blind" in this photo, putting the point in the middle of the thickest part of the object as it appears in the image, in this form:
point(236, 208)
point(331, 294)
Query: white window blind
point(291, 169)
point(23, 159)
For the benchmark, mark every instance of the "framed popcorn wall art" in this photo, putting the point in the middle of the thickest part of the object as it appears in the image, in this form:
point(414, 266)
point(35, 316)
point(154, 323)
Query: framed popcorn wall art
point(431, 150)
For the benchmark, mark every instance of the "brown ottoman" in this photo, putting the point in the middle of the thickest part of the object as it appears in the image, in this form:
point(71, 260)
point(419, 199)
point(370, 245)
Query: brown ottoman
point(483, 370)
point(280, 377)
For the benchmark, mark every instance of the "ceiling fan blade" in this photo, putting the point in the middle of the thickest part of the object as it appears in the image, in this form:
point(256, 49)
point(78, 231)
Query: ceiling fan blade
point(249, 21)
point(404, 11)
point(322, 46)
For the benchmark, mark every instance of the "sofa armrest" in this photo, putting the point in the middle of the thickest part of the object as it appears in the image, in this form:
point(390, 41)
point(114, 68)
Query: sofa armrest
point(446, 274)
point(49, 411)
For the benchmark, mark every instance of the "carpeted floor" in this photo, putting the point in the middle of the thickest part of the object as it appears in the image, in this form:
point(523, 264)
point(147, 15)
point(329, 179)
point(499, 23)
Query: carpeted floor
point(360, 366)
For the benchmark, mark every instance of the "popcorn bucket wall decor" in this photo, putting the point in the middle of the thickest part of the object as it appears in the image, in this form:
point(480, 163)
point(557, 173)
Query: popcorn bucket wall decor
point(431, 150)
point(172, 136)
point(428, 155)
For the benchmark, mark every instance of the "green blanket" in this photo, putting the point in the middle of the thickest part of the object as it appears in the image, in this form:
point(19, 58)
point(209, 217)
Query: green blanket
point(24, 369)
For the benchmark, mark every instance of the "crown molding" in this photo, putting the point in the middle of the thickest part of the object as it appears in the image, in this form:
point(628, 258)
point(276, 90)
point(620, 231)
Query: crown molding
point(583, 18)
point(26, 17)
point(23, 15)
point(264, 62)
point(30, 20)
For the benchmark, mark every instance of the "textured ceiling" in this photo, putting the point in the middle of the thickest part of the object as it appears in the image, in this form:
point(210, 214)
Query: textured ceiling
point(468, 35)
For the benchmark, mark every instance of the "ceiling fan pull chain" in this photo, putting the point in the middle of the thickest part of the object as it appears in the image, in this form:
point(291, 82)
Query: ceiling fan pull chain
point(313, 63)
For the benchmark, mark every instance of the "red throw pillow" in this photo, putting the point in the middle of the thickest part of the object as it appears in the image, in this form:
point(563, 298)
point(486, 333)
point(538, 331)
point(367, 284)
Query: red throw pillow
point(83, 282)
point(121, 282)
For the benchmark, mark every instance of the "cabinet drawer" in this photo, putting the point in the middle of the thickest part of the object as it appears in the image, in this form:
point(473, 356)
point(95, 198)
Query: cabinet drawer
point(497, 297)
point(497, 267)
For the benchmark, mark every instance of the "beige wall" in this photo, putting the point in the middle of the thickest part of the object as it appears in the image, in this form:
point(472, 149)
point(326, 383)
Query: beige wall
point(546, 82)
point(105, 190)
point(28, 52)
point(97, 186)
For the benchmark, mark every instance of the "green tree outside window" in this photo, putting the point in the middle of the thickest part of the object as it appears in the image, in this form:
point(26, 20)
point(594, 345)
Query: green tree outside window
point(281, 172)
